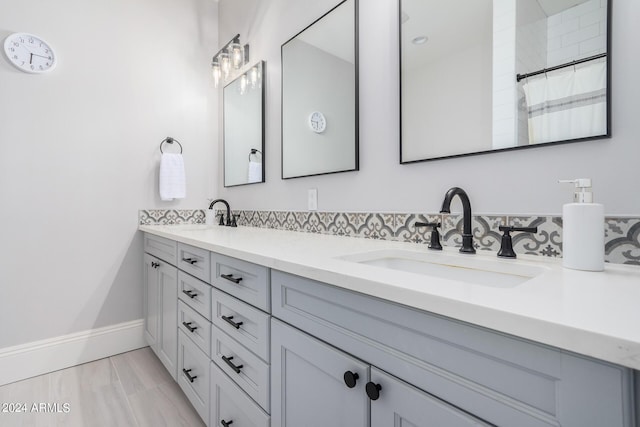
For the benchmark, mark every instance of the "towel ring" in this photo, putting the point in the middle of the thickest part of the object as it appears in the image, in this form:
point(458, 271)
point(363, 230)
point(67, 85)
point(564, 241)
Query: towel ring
point(254, 151)
point(170, 140)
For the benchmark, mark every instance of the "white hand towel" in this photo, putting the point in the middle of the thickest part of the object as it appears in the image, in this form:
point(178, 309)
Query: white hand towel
point(172, 178)
point(255, 172)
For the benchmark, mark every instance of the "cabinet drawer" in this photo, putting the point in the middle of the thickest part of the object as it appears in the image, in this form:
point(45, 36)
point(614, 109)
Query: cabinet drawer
point(194, 261)
point(244, 323)
point(499, 378)
point(192, 362)
point(244, 280)
point(195, 293)
point(161, 247)
point(230, 404)
point(195, 327)
point(245, 368)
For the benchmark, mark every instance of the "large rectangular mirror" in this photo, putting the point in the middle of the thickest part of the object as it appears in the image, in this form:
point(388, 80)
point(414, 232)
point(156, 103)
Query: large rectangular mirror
point(490, 75)
point(320, 96)
point(243, 128)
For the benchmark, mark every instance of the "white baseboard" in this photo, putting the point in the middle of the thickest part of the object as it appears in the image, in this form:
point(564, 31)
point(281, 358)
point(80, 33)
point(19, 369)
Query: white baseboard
point(41, 357)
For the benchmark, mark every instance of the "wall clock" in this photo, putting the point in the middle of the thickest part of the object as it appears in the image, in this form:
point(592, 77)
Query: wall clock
point(317, 122)
point(29, 53)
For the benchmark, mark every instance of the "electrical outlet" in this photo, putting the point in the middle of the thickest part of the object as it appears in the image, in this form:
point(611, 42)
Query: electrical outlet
point(312, 199)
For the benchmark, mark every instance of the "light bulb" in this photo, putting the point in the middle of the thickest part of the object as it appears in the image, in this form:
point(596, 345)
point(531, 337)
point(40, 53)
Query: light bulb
point(215, 71)
point(225, 64)
point(237, 54)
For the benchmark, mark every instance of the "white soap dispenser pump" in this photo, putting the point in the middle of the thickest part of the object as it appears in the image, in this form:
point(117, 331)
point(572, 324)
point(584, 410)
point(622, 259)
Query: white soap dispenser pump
point(583, 229)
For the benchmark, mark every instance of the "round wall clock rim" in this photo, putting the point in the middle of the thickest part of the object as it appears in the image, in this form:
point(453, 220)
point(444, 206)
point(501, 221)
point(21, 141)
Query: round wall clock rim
point(21, 33)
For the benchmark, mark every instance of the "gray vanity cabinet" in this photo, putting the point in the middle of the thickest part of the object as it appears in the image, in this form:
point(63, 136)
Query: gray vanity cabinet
point(454, 372)
point(308, 386)
point(160, 310)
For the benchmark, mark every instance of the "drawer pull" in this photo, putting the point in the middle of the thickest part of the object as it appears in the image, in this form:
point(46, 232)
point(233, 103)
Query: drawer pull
point(226, 423)
point(190, 260)
point(189, 327)
point(373, 390)
point(190, 293)
point(189, 377)
point(231, 322)
point(350, 378)
point(155, 264)
point(228, 361)
point(230, 278)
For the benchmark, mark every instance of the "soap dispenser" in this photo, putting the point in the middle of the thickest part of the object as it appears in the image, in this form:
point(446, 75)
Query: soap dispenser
point(583, 229)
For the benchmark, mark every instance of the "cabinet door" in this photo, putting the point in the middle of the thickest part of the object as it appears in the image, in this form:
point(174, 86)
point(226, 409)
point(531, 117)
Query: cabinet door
point(400, 404)
point(168, 306)
point(308, 386)
point(151, 306)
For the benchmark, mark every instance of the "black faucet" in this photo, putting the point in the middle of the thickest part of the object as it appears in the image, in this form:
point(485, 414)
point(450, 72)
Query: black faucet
point(229, 223)
point(467, 236)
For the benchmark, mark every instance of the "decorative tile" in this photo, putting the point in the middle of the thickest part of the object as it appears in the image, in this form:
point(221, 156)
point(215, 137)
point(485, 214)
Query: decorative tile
point(486, 236)
point(406, 231)
point(622, 235)
point(622, 240)
point(546, 242)
point(170, 216)
point(374, 226)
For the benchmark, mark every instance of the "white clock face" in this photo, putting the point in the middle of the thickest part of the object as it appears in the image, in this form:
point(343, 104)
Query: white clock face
point(29, 53)
point(317, 122)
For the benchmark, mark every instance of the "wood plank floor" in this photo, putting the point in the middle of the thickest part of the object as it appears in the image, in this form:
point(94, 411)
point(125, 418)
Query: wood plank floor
point(129, 389)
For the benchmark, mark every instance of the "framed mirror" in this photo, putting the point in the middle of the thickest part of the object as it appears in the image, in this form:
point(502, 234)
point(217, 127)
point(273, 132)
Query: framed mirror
point(480, 76)
point(320, 96)
point(243, 128)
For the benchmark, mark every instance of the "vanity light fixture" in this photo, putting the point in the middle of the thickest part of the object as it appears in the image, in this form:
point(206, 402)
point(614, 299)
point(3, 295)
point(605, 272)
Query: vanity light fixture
point(232, 56)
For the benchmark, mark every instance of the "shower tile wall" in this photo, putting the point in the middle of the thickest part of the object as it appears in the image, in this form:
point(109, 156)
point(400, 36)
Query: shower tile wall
point(622, 234)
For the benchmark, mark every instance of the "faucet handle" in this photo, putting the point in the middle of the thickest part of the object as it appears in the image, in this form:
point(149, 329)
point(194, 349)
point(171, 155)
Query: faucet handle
point(435, 235)
point(506, 246)
point(221, 222)
point(234, 220)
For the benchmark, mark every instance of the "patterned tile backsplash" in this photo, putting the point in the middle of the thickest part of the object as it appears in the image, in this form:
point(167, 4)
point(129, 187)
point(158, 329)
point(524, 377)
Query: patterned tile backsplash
point(622, 235)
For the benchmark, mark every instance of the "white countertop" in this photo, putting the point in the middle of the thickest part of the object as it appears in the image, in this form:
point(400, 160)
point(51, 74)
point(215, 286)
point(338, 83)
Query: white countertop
point(591, 313)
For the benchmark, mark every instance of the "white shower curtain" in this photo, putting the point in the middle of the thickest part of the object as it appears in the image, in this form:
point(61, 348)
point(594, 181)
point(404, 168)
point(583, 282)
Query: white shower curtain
point(567, 104)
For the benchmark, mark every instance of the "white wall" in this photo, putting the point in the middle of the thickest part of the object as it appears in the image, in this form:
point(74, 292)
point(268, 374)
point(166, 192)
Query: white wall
point(522, 181)
point(79, 153)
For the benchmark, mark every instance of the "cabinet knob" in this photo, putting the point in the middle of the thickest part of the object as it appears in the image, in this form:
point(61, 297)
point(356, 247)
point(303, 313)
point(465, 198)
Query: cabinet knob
point(373, 390)
point(226, 423)
point(350, 378)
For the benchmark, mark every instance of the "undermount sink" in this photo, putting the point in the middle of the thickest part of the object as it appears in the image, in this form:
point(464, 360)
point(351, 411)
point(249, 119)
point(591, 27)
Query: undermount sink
point(464, 268)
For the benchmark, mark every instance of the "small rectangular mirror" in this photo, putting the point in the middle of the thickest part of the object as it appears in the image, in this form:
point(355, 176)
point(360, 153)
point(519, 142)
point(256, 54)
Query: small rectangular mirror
point(485, 75)
point(243, 128)
point(320, 96)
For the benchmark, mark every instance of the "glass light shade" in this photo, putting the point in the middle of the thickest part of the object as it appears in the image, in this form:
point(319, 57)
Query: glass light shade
point(215, 71)
point(237, 55)
point(225, 64)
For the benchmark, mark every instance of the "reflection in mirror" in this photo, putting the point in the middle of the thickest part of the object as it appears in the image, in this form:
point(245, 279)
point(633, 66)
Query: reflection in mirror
point(319, 96)
point(487, 75)
point(243, 112)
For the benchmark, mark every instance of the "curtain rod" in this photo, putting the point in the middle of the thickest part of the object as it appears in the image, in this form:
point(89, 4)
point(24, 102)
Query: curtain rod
point(557, 67)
